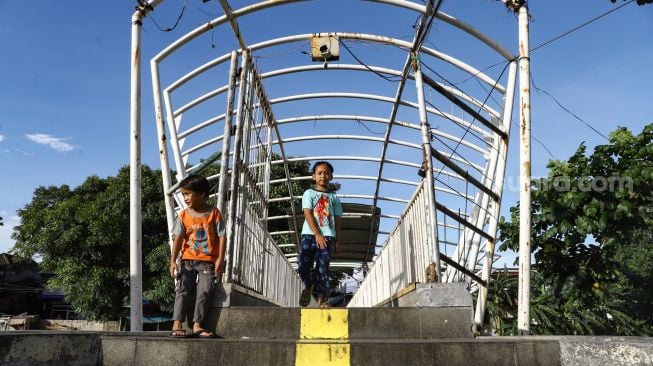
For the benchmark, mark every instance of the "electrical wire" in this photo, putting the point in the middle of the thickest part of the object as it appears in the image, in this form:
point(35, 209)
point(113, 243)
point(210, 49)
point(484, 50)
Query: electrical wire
point(467, 130)
point(516, 125)
point(580, 26)
point(169, 29)
point(420, 36)
point(483, 70)
point(547, 93)
point(460, 90)
point(387, 78)
point(567, 110)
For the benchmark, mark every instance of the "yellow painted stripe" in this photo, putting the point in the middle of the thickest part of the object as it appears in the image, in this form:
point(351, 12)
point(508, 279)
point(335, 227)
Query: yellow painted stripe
point(323, 338)
point(317, 354)
point(324, 324)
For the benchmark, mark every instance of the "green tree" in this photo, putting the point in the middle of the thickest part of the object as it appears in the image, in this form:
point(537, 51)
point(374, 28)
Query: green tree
point(296, 169)
point(82, 235)
point(607, 197)
point(639, 2)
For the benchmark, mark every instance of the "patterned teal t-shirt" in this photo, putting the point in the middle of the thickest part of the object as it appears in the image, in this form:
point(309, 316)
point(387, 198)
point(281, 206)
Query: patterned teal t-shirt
point(326, 206)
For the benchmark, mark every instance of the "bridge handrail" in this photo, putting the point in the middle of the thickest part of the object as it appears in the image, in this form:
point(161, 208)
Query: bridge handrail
point(403, 259)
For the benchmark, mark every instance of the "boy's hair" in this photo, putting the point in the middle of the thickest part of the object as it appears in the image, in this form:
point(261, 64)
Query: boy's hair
point(196, 183)
point(329, 166)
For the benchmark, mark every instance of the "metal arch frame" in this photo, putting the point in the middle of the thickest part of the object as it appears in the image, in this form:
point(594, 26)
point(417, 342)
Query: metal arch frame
point(343, 35)
point(382, 121)
point(365, 158)
point(176, 115)
point(231, 16)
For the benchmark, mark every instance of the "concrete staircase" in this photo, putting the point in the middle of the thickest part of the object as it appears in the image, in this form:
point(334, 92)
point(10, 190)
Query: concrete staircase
point(293, 336)
point(433, 327)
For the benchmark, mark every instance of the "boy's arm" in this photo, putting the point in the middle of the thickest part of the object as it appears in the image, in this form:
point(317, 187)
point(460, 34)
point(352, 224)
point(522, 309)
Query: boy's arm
point(176, 247)
point(310, 219)
point(219, 263)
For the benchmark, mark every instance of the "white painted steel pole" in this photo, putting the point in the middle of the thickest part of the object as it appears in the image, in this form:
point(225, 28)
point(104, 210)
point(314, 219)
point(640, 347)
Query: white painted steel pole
point(135, 224)
point(135, 220)
point(432, 223)
point(236, 166)
point(523, 308)
point(226, 141)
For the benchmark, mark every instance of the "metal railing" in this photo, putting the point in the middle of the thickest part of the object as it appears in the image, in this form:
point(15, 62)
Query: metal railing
point(404, 258)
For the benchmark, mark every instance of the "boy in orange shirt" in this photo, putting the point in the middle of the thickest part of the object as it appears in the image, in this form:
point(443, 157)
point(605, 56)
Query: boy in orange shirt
point(199, 234)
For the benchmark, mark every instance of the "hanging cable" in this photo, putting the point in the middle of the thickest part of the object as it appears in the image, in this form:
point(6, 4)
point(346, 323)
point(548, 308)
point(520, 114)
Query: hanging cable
point(366, 66)
point(169, 29)
point(567, 110)
point(580, 26)
point(454, 150)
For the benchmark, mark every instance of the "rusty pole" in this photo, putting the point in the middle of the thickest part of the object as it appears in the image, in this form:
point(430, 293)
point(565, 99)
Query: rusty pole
point(523, 307)
point(135, 222)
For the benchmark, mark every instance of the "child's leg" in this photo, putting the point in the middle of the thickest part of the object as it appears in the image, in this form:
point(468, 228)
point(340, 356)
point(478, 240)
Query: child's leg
point(323, 261)
point(205, 284)
point(184, 289)
point(306, 259)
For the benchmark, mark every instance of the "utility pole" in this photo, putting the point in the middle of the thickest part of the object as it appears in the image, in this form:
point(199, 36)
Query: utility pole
point(524, 296)
point(135, 221)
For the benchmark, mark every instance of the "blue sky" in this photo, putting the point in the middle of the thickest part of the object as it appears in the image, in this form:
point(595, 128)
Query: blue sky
point(64, 83)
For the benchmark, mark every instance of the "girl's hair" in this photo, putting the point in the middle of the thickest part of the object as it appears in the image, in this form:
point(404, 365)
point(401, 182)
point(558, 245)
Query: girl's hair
point(329, 166)
point(196, 183)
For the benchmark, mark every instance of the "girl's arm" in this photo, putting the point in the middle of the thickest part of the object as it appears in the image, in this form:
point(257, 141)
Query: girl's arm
point(310, 219)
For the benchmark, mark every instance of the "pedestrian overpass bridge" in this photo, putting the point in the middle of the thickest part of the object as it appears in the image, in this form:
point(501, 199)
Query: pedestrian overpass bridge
point(252, 97)
point(397, 95)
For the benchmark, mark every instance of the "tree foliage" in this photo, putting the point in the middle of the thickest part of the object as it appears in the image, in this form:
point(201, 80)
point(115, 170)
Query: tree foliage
point(639, 2)
point(82, 236)
point(278, 190)
point(585, 287)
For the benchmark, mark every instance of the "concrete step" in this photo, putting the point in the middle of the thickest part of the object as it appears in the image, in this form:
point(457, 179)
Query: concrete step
point(37, 348)
point(365, 323)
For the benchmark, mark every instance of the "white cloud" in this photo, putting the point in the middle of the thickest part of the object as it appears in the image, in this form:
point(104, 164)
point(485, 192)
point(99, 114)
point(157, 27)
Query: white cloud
point(2, 137)
point(57, 143)
point(6, 243)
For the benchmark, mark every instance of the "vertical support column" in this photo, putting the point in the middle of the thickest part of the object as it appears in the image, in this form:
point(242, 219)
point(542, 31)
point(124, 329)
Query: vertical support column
point(269, 121)
point(135, 224)
point(502, 151)
point(523, 309)
point(226, 136)
point(432, 224)
point(245, 249)
point(235, 170)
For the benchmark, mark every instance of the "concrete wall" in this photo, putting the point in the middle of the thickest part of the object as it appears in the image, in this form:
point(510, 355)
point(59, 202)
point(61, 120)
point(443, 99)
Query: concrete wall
point(36, 348)
point(59, 324)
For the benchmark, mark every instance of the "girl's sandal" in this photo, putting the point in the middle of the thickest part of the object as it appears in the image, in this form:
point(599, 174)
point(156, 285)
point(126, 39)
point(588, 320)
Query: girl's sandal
point(325, 305)
point(305, 297)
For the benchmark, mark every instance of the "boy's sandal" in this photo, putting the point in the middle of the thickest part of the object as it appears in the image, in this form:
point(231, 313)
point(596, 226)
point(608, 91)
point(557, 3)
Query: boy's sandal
point(305, 297)
point(203, 333)
point(178, 333)
point(325, 305)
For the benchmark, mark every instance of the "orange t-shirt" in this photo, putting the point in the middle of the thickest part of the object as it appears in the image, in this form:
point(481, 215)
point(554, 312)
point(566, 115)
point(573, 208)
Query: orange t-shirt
point(201, 237)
